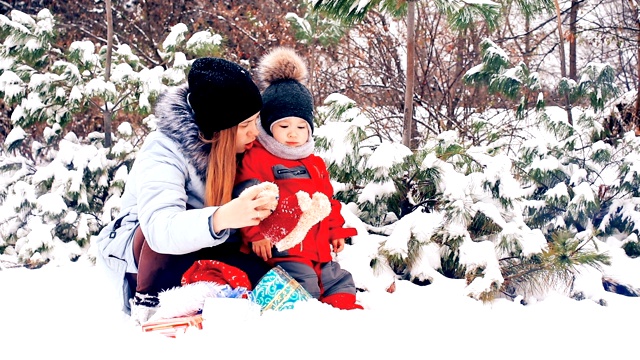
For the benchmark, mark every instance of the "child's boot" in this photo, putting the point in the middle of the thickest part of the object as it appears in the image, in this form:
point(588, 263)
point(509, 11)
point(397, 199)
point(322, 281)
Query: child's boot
point(342, 301)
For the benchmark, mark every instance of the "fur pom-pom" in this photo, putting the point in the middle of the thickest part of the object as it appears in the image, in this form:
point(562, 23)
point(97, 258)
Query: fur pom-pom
point(282, 64)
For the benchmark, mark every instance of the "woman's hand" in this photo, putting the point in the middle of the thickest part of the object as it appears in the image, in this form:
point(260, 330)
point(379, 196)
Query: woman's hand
point(262, 248)
point(245, 210)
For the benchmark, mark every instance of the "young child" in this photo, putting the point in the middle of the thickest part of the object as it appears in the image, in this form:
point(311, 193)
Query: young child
point(283, 155)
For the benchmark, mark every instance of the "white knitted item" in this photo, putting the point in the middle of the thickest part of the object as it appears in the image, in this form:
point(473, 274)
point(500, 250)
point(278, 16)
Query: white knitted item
point(260, 190)
point(314, 209)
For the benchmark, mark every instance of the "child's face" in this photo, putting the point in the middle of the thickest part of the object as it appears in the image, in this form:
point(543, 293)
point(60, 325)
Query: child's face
point(291, 131)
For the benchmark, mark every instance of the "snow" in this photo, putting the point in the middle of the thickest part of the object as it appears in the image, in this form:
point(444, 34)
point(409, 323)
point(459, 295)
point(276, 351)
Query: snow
point(45, 22)
point(32, 45)
point(495, 50)
point(174, 76)
point(122, 72)
point(11, 83)
point(583, 192)
point(66, 310)
point(512, 73)
point(338, 99)
point(125, 129)
point(16, 134)
point(373, 190)
point(32, 103)
point(87, 50)
point(337, 133)
point(203, 38)
point(549, 163)
point(387, 155)
point(76, 94)
point(22, 18)
point(152, 79)
point(121, 147)
point(302, 22)
point(39, 236)
point(558, 191)
point(474, 70)
point(69, 310)
point(176, 35)
point(358, 6)
point(42, 80)
point(99, 87)
point(124, 50)
point(532, 242)
point(52, 204)
point(52, 131)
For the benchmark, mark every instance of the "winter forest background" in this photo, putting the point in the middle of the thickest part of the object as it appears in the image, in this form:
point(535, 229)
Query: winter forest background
point(512, 162)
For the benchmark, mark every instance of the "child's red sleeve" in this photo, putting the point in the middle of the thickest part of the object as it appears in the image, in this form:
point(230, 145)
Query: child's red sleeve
point(252, 168)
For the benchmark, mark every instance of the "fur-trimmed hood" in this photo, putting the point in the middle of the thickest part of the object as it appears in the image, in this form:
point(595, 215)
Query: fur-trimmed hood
point(176, 120)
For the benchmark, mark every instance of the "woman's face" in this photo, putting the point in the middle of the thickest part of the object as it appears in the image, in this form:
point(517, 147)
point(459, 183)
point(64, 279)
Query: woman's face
point(291, 131)
point(247, 132)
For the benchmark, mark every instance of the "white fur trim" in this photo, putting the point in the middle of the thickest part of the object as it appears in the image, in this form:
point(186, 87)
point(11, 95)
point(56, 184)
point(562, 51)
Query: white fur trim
point(186, 300)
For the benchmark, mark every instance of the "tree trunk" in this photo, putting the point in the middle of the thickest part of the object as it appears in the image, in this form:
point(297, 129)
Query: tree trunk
point(636, 112)
point(527, 41)
point(408, 94)
point(311, 72)
point(107, 74)
point(563, 66)
point(461, 52)
point(637, 109)
point(573, 30)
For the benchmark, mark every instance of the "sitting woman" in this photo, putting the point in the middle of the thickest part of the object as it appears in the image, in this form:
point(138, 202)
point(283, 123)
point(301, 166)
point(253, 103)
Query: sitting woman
point(177, 204)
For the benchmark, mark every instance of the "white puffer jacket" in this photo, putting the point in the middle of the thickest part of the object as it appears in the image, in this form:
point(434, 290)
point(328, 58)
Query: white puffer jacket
point(166, 179)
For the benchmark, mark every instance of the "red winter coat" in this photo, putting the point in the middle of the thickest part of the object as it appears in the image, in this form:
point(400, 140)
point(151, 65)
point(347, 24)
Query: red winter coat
point(308, 174)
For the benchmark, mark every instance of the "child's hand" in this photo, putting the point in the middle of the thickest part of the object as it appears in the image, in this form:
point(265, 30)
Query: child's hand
point(262, 248)
point(337, 245)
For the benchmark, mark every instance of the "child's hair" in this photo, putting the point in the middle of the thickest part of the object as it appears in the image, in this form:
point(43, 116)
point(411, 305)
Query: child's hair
point(221, 171)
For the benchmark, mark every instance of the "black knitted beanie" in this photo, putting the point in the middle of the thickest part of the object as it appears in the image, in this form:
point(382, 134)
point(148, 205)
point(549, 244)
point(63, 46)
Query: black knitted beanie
point(283, 72)
point(222, 94)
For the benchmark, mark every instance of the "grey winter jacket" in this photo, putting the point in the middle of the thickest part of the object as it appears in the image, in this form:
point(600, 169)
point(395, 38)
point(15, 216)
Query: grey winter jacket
point(167, 177)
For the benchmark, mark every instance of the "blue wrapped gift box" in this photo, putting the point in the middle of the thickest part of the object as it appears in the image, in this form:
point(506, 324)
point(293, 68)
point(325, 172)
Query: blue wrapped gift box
point(277, 290)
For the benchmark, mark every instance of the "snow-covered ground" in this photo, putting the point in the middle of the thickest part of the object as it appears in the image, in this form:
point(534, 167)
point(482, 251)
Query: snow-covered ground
point(65, 311)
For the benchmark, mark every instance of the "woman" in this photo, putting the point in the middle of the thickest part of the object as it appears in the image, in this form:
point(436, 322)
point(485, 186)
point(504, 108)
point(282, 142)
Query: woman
point(177, 204)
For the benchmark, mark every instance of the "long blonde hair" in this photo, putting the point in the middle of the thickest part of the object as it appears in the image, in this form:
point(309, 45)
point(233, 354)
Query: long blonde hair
point(221, 172)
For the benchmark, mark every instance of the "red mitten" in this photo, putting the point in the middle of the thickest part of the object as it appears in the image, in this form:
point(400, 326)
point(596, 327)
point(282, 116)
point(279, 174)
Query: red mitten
point(217, 272)
point(293, 217)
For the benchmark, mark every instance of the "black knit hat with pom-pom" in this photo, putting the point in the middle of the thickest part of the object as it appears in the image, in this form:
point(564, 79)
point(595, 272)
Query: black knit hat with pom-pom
point(283, 72)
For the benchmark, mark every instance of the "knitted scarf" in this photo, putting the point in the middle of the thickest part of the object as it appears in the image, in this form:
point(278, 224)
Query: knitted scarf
point(283, 151)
